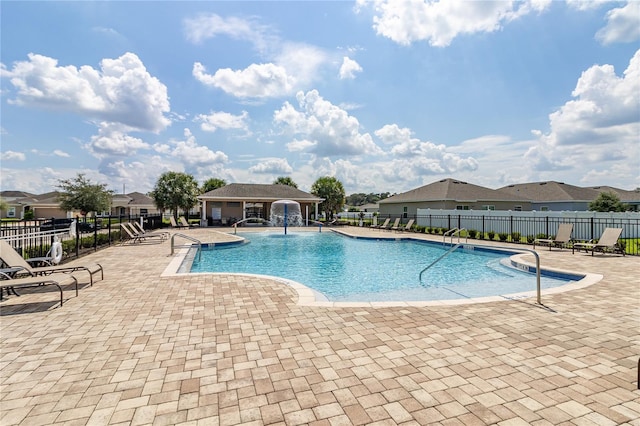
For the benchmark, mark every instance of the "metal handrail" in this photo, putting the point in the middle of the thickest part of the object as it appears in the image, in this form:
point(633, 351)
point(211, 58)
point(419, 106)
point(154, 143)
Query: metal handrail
point(318, 223)
point(177, 234)
point(235, 225)
point(535, 254)
point(451, 250)
point(455, 231)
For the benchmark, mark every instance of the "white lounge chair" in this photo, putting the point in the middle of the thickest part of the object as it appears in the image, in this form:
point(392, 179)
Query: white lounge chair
point(13, 259)
point(10, 284)
point(394, 226)
point(406, 227)
point(384, 225)
point(561, 239)
point(136, 237)
point(141, 231)
point(608, 242)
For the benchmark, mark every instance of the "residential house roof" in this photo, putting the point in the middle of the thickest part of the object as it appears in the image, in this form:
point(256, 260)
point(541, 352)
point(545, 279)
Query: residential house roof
point(134, 199)
point(47, 199)
point(452, 190)
point(12, 195)
point(625, 196)
point(551, 191)
point(258, 192)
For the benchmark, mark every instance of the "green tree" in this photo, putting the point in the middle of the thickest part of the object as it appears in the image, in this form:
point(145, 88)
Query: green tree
point(332, 191)
point(80, 193)
point(175, 191)
point(607, 202)
point(211, 184)
point(285, 180)
point(3, 206)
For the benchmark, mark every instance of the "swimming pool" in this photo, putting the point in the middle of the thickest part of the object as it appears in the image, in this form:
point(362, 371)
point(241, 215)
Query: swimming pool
point(371, 270)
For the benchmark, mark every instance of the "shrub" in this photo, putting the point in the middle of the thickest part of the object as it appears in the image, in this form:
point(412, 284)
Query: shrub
point(472, 233)
point(515, 237)
point(503, 236)
point(541, 236)
point(530, 239)
point(491, 235)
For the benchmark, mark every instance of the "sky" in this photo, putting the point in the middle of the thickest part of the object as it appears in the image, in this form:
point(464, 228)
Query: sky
point(384, 95)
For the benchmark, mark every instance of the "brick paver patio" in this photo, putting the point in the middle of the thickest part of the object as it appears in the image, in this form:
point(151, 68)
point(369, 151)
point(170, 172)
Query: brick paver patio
point(139, 348)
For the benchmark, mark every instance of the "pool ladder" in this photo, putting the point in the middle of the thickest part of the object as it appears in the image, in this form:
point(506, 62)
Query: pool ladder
point(177, 234)
point(471, 246)
point(452, 232)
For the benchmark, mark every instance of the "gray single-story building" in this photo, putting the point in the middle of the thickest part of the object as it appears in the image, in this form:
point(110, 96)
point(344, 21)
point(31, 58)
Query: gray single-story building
point(451, 194)
point(560, 196)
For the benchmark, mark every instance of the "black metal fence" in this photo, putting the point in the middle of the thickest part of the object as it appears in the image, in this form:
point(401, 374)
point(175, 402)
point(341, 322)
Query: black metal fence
point(33, 238)
point(524, 226)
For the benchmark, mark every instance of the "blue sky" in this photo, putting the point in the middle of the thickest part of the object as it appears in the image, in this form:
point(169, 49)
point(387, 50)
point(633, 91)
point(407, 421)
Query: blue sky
point(384, 95)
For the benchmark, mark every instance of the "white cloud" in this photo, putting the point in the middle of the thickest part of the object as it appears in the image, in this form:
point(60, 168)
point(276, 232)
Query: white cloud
point(12, 156)
point(287, 66)
point(324, 129)
point(623, 25)
point(193, 155)
point(111, 140)
point(210, 25)
point(272, 166)
point(223, 120)
point(60, 153)
point(583, 5)
point(599, 125)
point(413, 156)
point(301, 61)
point(439, 22)
point(255, 81)
point(121, 91)
point(392, 134)
point(349, 68)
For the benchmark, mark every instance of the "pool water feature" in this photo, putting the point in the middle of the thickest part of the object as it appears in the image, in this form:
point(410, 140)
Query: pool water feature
point(346, 269)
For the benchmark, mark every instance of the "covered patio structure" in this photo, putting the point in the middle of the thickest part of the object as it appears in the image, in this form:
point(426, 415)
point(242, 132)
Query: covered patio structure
point(237, 201)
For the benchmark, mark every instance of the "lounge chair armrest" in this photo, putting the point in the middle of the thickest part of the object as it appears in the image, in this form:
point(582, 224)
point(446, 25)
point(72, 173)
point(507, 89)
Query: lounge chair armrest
point(36, 261)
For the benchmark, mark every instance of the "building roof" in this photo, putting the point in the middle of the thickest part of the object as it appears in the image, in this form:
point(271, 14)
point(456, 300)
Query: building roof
point(452, 190)
point(625, 196)
point(552, 191)
point(134, 199)
point(258, 192)
point(46, 199)
point(15, 194)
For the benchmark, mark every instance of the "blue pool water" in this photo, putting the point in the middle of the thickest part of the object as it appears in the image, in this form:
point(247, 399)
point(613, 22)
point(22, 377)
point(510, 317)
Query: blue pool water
point(357, 269)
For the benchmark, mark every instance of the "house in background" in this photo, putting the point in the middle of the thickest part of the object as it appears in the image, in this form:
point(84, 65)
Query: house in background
point(451, 194)
point(43, 206)
point(560, 196)
point(237, 201)
point(133, 204)
point(630, 198)
point(369, 208)
point(14, 208)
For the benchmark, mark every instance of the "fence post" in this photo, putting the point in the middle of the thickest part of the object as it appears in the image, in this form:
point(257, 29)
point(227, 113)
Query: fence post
point(546, 226)
point(95, 232)
point(511, 226)
point(482, 237)
point(77, 236)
